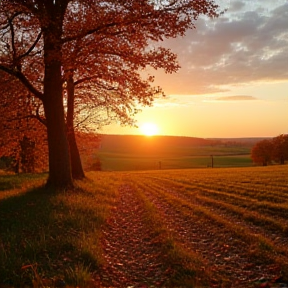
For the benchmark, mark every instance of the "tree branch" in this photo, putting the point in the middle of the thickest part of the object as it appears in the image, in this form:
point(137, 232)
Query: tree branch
point(32, 47)
point(12, 41)
point(89, 32)
point(80, 81)
point(20, 76)
point(10, 19)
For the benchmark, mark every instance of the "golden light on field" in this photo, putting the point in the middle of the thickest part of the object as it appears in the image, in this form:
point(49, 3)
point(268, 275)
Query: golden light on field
point(149, 129)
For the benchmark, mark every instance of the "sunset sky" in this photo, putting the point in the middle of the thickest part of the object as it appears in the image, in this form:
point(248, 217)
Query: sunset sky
point(233, 80)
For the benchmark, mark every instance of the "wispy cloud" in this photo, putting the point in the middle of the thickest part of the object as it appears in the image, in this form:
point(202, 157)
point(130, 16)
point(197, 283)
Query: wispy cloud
point(174, 101)
point(236, 98)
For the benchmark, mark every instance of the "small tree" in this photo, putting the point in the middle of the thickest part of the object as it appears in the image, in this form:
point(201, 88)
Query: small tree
point(280, 148)
point(261, 153)
point(22, 136)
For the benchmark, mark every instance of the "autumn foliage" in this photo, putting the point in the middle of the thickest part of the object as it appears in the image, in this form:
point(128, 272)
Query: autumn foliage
point(280, 148)
point(266, 151)
point(23, 136)
point(23, 139)
point(78, 55)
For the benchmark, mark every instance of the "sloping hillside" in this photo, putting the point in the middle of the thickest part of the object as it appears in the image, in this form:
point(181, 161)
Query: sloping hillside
point(127, 152)
point(138, 144)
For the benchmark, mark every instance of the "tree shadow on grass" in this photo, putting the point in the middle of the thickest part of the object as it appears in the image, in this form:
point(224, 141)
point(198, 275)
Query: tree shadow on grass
point(47, 233)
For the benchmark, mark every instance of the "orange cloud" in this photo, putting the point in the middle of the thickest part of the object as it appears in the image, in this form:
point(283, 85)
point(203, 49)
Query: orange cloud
point(236, 98)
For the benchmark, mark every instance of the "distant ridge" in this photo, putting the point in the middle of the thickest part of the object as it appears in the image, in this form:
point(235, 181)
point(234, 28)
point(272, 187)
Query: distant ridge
point(138, 152)
point(110, 141)
point(113, 139)
point(144, 145)
point(251, 140)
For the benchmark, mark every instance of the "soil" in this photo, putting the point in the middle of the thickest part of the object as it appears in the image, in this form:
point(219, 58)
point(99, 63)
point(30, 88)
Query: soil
point(134, 254)
point(132, 251)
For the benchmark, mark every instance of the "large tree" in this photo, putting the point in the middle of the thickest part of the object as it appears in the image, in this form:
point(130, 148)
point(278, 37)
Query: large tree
point(41, 40)
point(280, 148)
point(261, 152)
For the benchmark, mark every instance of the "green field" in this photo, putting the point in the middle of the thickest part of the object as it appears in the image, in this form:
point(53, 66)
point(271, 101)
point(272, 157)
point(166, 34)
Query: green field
point(128, 153)
point(127, 162)
point(222, 227)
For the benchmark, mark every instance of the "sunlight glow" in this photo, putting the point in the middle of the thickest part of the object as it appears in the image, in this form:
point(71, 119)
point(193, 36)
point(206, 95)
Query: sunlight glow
point(149, 129)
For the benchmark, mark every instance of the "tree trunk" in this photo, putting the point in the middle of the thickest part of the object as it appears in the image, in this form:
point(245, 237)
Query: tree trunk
point(76, 164)
point(59, 157)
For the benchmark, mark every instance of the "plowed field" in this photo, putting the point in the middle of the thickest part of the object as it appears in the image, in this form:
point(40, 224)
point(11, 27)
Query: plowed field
point(224, 227)
point(198, 228)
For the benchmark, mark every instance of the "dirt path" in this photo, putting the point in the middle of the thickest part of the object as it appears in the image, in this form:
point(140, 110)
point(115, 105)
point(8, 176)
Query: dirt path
point(132, 251)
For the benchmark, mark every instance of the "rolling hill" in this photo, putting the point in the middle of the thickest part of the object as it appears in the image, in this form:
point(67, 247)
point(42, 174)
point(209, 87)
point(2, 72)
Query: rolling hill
point(137, 152)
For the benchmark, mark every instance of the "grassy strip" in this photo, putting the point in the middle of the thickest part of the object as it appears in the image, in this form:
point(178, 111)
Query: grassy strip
point(260, 248)
point(249, 208)
point(187, 266)
point(271, 208)
point(47, 235)
point(267, 199)
point(251, 215)
point(235, 182)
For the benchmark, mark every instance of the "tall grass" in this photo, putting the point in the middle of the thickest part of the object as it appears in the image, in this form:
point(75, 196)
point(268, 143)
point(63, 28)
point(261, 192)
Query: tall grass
point(56, 232)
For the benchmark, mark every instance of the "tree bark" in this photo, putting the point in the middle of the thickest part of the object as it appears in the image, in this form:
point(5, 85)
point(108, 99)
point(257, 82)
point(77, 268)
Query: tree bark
point(76, 164)
point(59, 160)
point(59, 157)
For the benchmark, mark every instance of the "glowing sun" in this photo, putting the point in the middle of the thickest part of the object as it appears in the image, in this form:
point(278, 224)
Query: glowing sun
point(149, 129)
